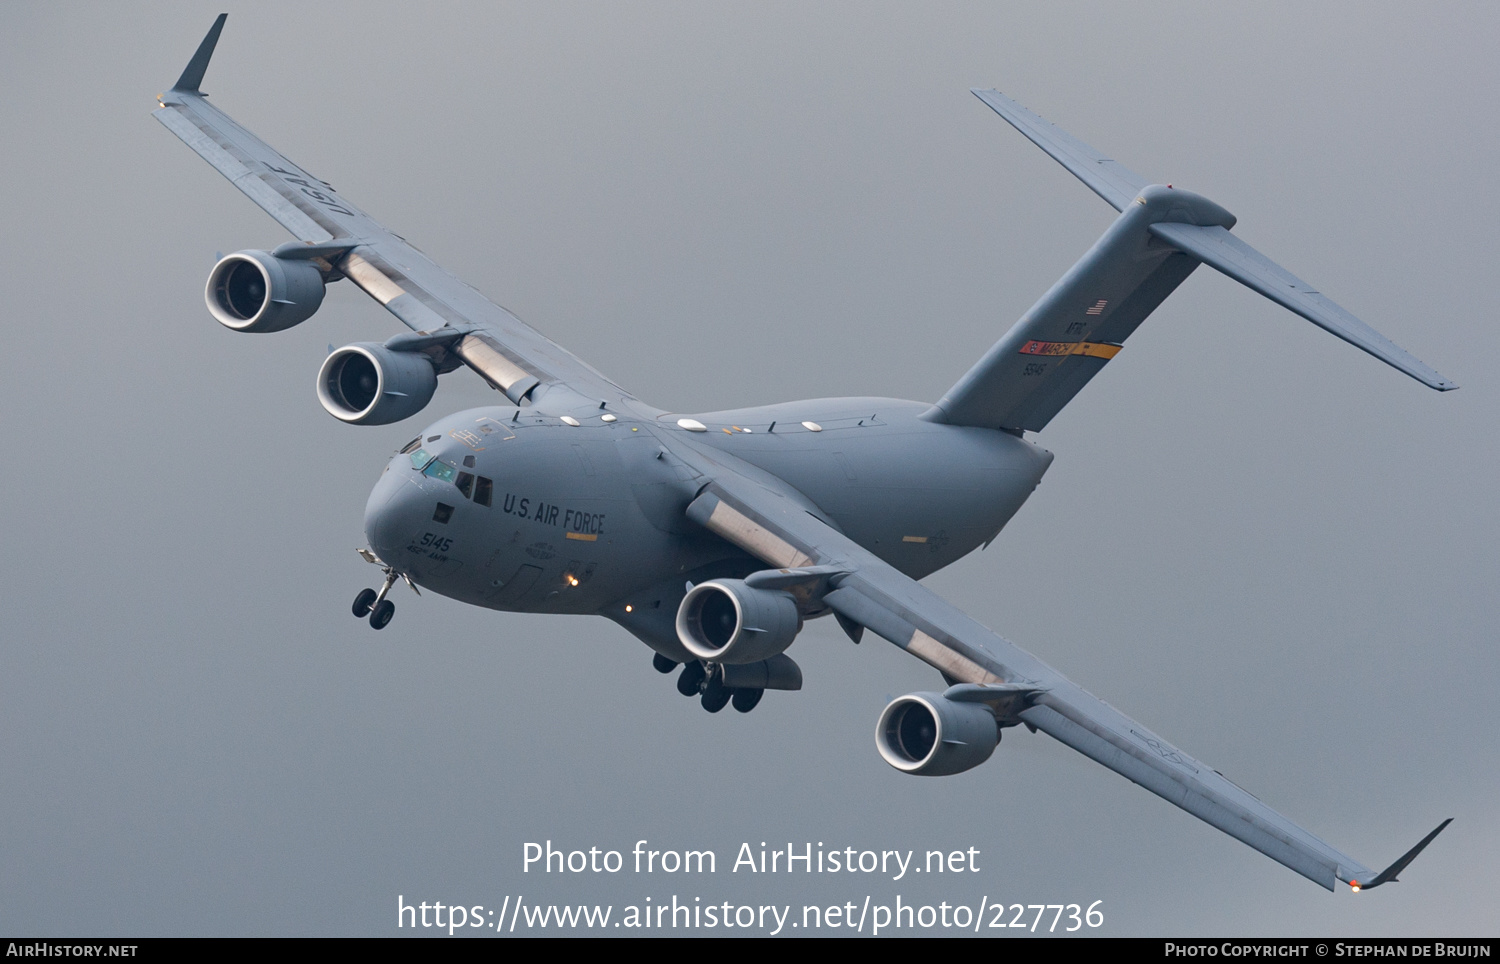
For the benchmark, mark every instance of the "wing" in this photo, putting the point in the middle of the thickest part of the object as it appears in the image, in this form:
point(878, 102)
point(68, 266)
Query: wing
point(762, 516)
point(511, 355)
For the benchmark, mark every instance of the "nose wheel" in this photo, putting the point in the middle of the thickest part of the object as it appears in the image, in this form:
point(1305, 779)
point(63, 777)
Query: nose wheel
point(381, 615)
point(374, 605)
point(364, 603)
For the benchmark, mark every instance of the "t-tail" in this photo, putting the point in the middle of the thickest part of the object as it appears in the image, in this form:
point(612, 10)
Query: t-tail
point(1161, 235)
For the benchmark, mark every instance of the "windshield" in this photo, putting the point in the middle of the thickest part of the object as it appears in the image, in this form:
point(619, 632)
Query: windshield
point(476, 488)
point(440, 470)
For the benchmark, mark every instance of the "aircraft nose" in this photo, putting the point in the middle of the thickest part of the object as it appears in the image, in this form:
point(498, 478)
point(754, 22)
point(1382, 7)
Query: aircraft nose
point(394, 513)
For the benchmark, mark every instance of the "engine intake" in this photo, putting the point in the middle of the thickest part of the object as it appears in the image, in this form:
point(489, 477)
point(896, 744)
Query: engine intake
point(369, 384)
point(726, 621)
point(929, 735)
point(258, 292)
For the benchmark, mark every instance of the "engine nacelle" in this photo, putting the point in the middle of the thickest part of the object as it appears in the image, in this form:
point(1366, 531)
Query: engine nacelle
point(369, 384)
point(929, 735)
point(726, 621)
point(257, 291)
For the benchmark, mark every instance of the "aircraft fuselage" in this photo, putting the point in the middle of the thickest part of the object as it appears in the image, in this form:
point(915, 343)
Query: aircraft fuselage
point(519, 510)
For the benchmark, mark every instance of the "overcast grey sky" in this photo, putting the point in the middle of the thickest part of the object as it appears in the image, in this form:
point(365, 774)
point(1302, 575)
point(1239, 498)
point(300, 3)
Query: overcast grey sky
point(1262, 543)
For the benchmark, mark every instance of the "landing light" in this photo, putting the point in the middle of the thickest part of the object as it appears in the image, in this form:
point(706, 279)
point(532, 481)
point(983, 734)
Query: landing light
point(572, 579)
point(1355, 885)
point(629, 608)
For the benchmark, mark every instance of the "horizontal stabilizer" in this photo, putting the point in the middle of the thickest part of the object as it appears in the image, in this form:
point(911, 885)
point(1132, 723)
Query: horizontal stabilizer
point(1107, 178)
point(1216, 247)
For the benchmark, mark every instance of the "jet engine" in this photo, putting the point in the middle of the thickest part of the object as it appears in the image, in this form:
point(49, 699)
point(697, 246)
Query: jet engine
point(369, 384)
point(726, 621)
point(929, 735)
point(257, 291)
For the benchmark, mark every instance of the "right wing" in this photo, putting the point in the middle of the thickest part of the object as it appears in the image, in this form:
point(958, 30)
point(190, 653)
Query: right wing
point(759, 515)
point(509, 354)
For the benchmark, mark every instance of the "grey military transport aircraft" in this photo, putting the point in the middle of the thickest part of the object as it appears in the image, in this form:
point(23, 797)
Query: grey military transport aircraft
point(712, 537)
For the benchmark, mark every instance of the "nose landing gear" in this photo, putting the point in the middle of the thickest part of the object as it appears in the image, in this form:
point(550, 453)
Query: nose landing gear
point(373, 604)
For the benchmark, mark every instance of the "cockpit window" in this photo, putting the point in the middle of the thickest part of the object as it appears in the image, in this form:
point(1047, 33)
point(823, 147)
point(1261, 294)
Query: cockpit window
point(483, 490)
point(465, 483)
point(441, 471)
point(412, 445)
point(420, 458)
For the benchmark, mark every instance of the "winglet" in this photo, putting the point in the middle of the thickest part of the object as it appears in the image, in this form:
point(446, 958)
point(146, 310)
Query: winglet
point(192, 76)
point(1389, 874)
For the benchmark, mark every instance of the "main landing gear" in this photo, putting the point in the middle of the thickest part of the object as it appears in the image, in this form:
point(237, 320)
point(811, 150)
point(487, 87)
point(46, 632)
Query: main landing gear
point(706, 681)
point(374, 604)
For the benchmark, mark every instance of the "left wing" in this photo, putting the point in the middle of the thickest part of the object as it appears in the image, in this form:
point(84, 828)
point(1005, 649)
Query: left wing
point(509, 354)
point(758, 515)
